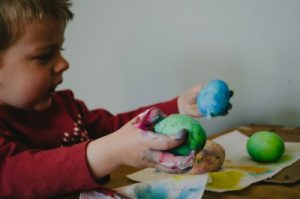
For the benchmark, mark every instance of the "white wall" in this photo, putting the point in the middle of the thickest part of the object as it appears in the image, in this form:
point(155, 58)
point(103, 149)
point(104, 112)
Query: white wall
point(129, 53)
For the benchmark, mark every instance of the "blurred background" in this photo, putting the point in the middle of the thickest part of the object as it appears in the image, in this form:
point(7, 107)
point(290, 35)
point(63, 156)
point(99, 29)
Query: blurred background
point(127, 54)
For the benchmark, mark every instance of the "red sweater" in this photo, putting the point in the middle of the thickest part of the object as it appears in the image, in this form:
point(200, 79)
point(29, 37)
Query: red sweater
point(43, 153)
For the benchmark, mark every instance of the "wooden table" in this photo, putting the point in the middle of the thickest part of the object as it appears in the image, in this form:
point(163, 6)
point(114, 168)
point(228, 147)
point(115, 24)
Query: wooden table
point(285, 184)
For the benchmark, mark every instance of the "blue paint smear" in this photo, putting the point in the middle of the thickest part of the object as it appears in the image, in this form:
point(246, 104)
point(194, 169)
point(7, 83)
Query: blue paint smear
point(161, 192)
point(185, 193)
point(151, 192)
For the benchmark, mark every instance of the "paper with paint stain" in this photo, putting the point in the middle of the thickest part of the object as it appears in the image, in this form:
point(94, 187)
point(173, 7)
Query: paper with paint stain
point(239, 170)
point(172, 187)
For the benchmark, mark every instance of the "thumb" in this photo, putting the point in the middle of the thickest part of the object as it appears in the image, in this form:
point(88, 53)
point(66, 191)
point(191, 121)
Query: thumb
point(165, 142)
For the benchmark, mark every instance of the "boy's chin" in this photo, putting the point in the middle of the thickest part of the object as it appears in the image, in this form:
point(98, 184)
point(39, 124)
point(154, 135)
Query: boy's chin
point(43, 105)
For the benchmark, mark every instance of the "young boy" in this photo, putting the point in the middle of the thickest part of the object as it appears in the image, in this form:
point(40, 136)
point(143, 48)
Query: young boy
point(50, 143)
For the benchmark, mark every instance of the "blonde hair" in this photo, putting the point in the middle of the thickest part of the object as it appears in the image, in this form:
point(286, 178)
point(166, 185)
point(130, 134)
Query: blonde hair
point(14, 14)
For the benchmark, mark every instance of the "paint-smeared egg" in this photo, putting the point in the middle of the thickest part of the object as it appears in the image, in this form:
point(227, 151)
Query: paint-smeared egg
point(213, 99)
point(210, 158)
point(196, 136)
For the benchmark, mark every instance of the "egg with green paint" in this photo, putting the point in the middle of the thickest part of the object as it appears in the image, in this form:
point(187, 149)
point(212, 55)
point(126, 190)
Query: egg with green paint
point(265, 146)
point(195, 138)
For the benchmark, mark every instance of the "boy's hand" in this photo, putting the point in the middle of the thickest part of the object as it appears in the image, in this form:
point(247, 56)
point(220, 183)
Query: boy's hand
point(187, 102)
point(136, 145)
point(148, 148)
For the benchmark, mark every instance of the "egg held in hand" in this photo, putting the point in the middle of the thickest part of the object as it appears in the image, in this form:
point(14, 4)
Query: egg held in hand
point(195, 138)
point(213, 99)
point(210, 158)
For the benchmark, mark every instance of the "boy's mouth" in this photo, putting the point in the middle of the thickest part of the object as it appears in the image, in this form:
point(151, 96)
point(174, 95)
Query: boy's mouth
point(53, 88)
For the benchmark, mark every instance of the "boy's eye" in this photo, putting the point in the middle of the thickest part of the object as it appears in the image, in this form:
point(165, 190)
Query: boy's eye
point(44, 57)
point(48, 55)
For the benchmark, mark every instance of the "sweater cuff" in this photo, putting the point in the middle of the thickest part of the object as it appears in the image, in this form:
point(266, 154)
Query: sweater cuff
point(85, 179)
point(100, 181)
point(169, 107)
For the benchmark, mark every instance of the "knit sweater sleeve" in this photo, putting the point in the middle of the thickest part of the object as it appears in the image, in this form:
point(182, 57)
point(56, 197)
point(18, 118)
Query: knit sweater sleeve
point(101, 122)
point(33, 172)
point(28, 173)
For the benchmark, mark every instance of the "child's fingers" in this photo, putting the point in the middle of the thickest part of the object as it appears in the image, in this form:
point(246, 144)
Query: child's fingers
point(146, 119)
point(171, 170)
point(194, 111)
point(168, 162)
point(196, 89)
point(164, 142)
point(228, 109)
point(177, 163)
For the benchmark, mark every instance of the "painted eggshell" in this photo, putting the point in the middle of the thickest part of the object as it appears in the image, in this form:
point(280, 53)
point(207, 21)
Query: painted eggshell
point(210, 158)
point(213, 99)
point(195, 138)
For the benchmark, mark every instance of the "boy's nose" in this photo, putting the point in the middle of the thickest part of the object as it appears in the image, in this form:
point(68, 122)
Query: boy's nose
point(61, 65)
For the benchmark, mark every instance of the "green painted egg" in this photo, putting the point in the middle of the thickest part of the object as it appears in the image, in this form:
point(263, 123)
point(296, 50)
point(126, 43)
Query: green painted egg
point(265, 146)
point(195, 139)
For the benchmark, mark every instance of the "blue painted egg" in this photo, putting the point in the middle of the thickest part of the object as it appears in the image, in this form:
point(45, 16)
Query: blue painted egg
point(213, 99)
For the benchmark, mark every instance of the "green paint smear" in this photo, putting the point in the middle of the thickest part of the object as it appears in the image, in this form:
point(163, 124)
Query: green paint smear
point(285, 158)
point(225, 179)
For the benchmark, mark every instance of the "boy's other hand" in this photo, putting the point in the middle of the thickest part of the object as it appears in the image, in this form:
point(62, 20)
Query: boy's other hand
point(187, 102)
